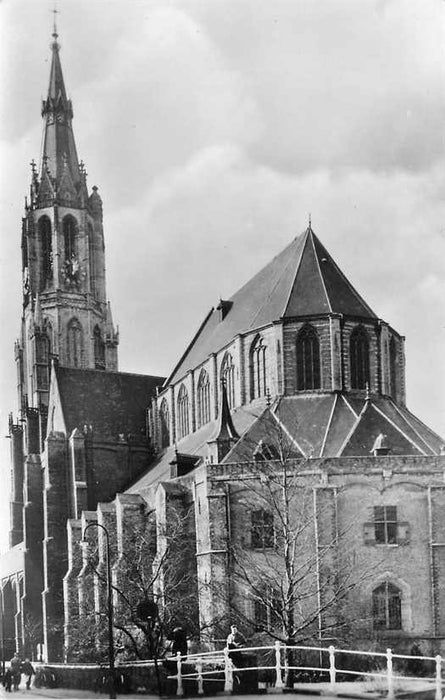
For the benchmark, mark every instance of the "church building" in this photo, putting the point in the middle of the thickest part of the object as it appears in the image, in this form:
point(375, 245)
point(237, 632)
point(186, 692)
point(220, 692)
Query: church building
point(293, 377)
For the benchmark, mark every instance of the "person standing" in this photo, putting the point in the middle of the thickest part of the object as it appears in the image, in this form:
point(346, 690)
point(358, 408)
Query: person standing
point(28, 670)
point(16, 666)
point(235, 640)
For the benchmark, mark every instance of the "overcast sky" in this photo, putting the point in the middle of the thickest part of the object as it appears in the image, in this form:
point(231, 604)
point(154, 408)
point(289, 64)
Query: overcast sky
point(212, 128)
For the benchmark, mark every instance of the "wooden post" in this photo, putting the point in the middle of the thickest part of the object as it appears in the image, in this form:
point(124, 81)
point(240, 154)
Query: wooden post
point(228, 672)
point(389, 674)
point(279, 678)
point(179, 688)
point(200, 680)
point(438, 695)
point(332, 670)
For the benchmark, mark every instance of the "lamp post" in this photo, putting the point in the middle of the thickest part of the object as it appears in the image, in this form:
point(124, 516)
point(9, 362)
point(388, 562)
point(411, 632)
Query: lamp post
point(109, 605)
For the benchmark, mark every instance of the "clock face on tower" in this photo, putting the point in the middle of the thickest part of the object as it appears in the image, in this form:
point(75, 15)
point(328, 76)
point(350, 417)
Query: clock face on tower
point(60, 117)
point(50, 118)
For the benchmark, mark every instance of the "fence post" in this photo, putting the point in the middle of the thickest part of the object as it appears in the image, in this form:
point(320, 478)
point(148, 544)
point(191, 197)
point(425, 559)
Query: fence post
point(179, 688)
point(389, 674)
point(279, 679)
point(438, 678)
point(200, 680)
point(332, 669)
point(228, 672)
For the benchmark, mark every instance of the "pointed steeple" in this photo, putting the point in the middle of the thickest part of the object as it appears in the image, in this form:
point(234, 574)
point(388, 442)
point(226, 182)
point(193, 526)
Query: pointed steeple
point(226, 435)
point(59, 148)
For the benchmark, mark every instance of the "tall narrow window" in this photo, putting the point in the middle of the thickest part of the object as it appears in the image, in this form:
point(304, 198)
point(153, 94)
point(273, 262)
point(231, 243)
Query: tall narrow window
point(99, 349)
point(308, 359)
point(359, 358)
point(92, 260)
point(393, 366)
point(45, 239)
point(183, 412)
point(258, 368)
point(228, 376)
point(387, 607)
point(203, 398)
point(42, 349)
point(69, 237)
point(267, 608)
point(262, 533)
point(75, 344)
point(164, 423)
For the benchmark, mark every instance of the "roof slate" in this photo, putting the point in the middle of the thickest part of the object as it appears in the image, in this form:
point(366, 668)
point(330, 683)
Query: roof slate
point(301, 281)
point(112, 402)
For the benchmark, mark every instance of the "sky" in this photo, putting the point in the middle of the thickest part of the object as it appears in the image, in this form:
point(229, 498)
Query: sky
point(212, 129)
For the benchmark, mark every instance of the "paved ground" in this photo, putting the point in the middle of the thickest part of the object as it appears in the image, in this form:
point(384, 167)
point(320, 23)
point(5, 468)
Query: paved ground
point(345, 690)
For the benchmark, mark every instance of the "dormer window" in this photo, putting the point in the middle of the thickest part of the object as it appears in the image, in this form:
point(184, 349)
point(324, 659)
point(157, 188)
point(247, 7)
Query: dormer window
point(224, 307)
point(308, 359)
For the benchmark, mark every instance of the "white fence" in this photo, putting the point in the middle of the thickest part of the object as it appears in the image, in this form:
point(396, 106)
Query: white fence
point(208, 664)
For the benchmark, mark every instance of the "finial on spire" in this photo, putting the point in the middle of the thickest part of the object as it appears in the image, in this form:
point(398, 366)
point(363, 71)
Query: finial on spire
point(310, 220)
point(55, 13)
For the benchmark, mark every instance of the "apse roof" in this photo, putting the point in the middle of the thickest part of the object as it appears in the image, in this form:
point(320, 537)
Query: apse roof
point(331, 425)
point(301, 281)
point(113, 403)
point(307, 426)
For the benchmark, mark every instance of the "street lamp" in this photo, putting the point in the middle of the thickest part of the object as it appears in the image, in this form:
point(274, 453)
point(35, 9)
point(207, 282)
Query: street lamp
point(110, 605)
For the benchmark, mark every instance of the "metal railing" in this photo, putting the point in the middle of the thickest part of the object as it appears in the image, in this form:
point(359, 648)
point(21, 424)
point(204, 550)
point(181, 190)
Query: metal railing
point(220, 661)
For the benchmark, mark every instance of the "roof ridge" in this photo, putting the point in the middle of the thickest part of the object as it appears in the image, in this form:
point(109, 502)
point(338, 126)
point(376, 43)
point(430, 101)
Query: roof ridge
point(319, 270)
point(345, 279)
point(291, 288)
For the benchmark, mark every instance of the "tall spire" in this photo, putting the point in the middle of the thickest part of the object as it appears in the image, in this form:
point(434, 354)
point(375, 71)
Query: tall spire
point(59, 148)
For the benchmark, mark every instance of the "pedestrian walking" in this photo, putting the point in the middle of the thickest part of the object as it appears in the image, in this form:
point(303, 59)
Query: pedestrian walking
point(16, 666)
point(28, 671)
point(7, 680)
point(179, 641)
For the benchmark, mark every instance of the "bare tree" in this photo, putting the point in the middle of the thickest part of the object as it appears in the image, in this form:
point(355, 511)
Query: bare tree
point(154, 590)
point(293, 568)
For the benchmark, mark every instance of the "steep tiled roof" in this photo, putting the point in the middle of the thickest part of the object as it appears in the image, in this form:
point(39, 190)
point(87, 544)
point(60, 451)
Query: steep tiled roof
point(318, 425)
point(194, 444)
point(328, 425)
point(303, 280)
point(112, 402)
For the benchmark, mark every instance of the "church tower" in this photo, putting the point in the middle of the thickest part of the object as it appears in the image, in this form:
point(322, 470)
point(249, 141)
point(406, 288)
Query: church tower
point(66, 316)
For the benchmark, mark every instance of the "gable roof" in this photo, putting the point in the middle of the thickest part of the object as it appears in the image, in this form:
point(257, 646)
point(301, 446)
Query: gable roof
point(111, 402)
point(301, 281)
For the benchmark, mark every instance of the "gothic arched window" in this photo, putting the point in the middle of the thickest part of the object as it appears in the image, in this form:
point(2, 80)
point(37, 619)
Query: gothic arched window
point(228, 377)
point(308, 359)
point(203, 398)
point(359, 358)
point(164, 423)
point(45, 238)
point(183, 412)
point(258, 368)
point(69, 237)
point(393, 366)
point(42, 350)
point(387, 607)
point(75, 344)
point(99, 349)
